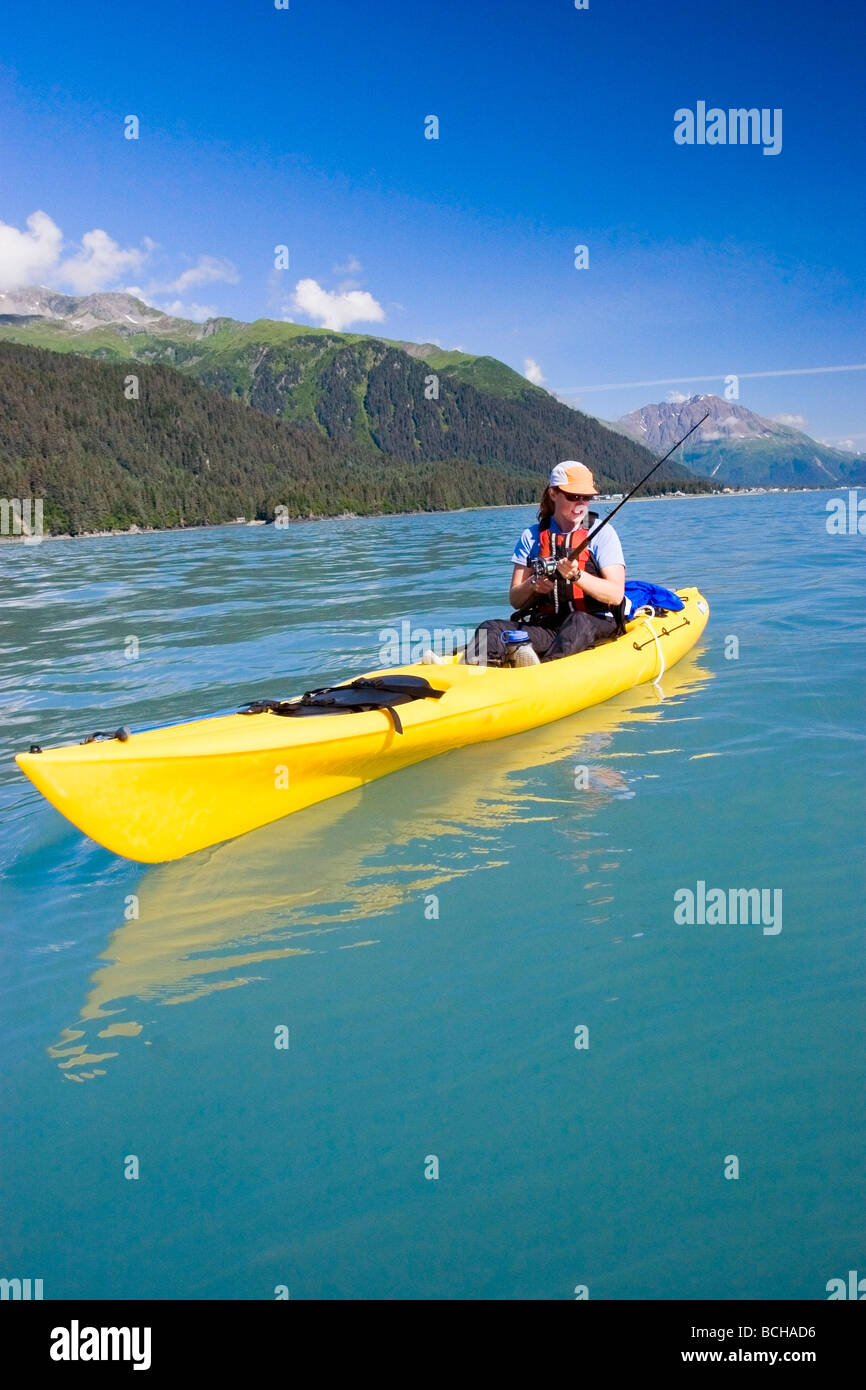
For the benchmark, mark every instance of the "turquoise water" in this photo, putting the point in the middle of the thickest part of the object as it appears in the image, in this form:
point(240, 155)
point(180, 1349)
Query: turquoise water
point(413, 1035)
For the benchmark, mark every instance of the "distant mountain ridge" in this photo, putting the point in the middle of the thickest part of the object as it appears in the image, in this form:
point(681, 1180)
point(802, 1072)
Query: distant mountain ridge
point(122, 311)
point(413, 402)
point(738, 448)
point(376, 392)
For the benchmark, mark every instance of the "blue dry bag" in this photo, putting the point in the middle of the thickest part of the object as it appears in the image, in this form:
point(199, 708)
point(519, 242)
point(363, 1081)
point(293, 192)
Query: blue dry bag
point(638, 593)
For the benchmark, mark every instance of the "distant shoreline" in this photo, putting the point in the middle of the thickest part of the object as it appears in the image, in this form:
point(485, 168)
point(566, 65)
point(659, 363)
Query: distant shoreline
point(377, 516)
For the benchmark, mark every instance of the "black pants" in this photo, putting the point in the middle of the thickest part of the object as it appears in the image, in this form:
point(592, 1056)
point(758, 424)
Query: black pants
point(578, 633)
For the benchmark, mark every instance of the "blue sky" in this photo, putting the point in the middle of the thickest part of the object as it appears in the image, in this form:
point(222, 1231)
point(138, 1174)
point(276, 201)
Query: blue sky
point(305, 127)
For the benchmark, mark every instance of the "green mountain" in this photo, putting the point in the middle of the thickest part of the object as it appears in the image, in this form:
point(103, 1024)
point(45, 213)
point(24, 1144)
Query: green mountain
point(181, 455)
point(407, 402)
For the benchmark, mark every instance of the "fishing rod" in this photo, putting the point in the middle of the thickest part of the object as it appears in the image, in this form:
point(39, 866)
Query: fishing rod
point(542, 566)
point(578, 550)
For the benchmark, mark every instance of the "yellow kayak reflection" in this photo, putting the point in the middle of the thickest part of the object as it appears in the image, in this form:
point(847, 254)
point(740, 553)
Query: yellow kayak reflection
point(328, 879)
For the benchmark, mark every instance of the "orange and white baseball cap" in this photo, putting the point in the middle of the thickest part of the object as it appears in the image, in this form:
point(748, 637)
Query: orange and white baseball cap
point(572, 476)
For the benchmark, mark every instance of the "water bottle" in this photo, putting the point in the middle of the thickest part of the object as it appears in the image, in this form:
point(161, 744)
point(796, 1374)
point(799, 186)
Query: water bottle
point(512, 641)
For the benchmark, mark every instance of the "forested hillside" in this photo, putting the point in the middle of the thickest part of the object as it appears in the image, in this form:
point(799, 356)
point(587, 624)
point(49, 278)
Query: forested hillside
point(181, 455)
point(413, 402)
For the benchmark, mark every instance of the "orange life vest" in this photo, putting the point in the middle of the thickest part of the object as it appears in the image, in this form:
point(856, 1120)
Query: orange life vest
point(553, 546)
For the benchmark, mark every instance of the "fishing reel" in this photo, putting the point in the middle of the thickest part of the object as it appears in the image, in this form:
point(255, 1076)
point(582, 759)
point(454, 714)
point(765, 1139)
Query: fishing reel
point(545, 568)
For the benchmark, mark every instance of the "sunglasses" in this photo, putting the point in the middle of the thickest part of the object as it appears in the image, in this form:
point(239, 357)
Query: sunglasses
point(576, 496)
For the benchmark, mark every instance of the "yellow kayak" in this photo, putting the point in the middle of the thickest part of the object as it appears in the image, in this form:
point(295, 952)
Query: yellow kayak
point(164, 793)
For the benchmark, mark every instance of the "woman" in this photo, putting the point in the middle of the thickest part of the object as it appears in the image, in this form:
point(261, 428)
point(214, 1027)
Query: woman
point(582, 606)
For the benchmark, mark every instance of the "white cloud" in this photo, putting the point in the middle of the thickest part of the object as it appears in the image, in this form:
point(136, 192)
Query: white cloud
point(28, 258)
point(795, 422)
point(849, 444)
point(197, 312)
point(206, 270)
point(336, 309)
point(352, 266)
point(532, 371)
point(99, 263)
point(676, 397)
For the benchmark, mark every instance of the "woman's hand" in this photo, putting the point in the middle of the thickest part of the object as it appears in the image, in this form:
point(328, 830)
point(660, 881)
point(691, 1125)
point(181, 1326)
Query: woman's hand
point(569, 569)
point(524, 588)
